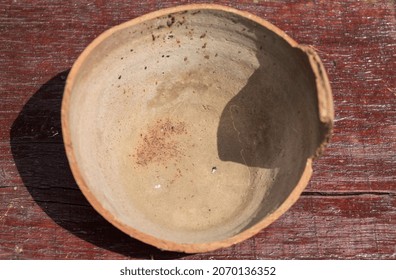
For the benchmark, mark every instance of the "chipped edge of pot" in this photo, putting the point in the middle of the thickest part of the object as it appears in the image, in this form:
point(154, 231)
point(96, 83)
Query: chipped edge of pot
point(326, 115)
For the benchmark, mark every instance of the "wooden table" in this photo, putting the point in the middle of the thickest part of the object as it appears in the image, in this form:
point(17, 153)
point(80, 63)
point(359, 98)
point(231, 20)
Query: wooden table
point(348, 211)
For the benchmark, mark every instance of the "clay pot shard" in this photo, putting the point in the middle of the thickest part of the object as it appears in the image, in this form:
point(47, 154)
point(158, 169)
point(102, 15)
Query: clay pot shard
point(195, 127)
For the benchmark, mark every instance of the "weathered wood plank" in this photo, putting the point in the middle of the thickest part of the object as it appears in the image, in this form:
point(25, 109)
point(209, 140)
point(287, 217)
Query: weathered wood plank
point(348, 210)
point(60, 224)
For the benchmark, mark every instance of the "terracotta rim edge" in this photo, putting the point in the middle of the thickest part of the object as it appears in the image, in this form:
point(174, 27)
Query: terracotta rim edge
point(325, 112)
point(324, 95)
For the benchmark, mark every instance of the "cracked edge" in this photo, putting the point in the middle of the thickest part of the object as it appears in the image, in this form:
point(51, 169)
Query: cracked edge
point(325, 98)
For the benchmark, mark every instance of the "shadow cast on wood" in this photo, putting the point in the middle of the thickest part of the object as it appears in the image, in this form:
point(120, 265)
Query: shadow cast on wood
point(38, 151)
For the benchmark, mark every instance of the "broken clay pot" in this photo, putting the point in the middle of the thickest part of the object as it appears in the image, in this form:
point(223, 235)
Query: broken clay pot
point(193, 128)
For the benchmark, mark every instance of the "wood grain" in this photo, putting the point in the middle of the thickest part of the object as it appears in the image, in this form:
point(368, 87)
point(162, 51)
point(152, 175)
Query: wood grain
point(349, 209)
point(65, 227)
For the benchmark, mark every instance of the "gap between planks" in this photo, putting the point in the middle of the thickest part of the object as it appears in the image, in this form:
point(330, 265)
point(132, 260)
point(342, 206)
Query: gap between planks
point(357, 193)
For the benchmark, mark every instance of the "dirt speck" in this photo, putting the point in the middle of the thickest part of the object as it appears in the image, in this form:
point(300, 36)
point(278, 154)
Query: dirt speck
point(181, 22)
point(206, 56)
point(170, 21)
point(204, 46)
point(18, 249)
point(158, 144)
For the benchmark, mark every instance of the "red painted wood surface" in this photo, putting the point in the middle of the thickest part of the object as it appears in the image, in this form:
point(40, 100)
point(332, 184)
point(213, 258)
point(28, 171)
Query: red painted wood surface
point(347, 212)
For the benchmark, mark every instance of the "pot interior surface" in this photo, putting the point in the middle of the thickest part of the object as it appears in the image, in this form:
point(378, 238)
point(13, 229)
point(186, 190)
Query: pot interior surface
point(194, 126)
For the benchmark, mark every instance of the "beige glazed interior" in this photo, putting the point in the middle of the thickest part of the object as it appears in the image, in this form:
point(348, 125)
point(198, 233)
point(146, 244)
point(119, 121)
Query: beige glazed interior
point(194, 127)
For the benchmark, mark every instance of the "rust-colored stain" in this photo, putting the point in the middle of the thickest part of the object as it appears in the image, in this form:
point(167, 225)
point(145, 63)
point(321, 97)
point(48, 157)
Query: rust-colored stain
point(158, 144)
